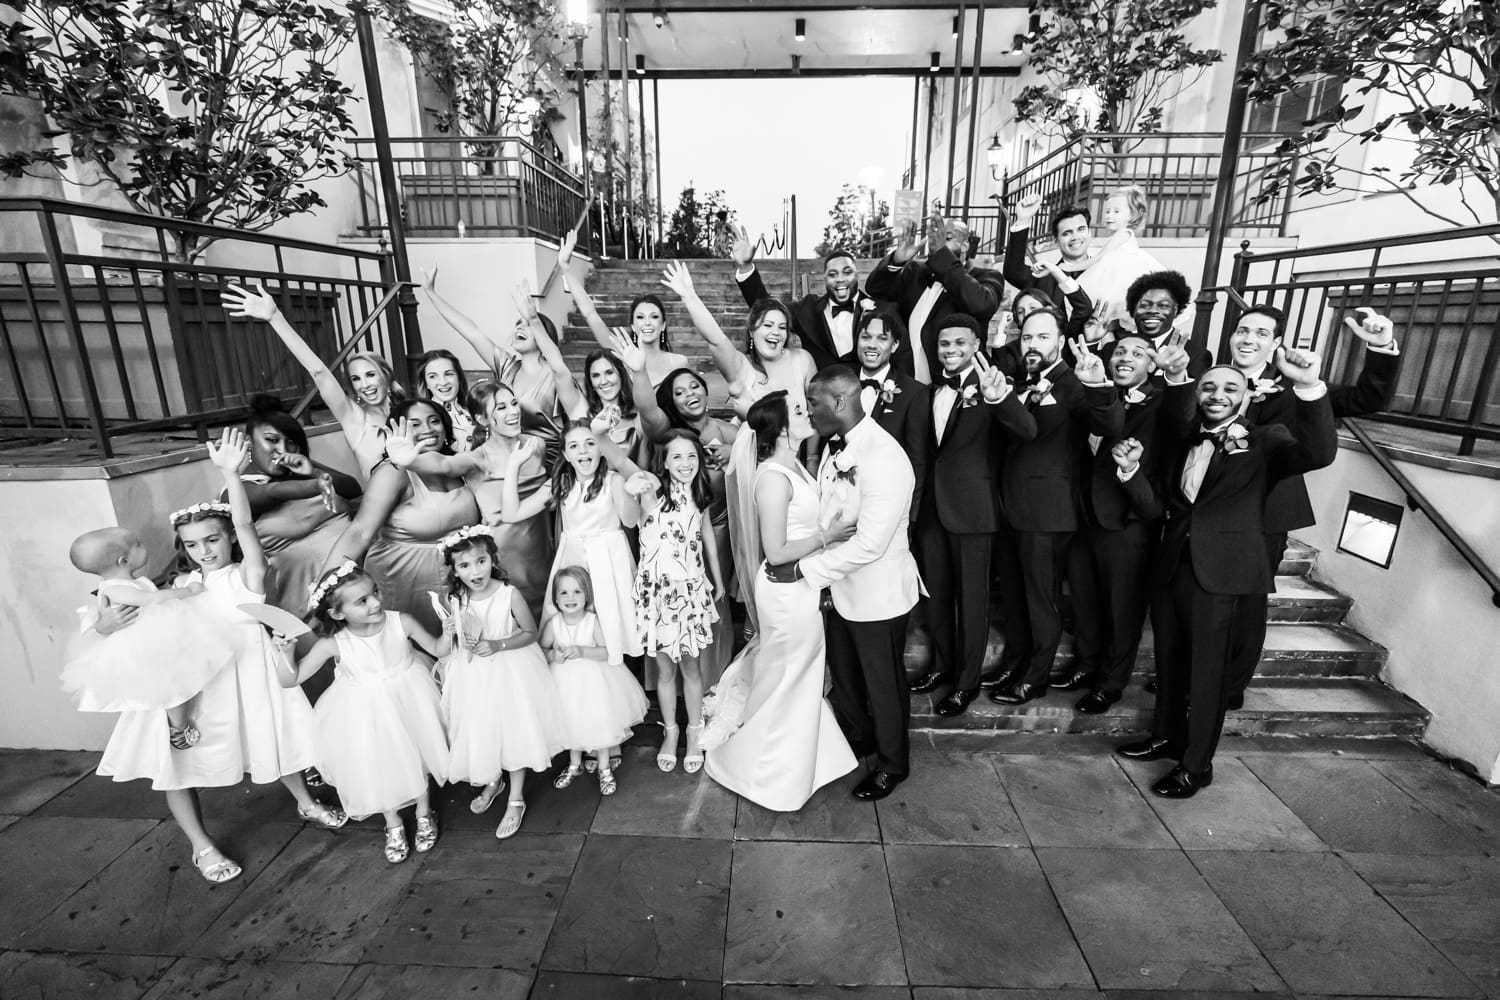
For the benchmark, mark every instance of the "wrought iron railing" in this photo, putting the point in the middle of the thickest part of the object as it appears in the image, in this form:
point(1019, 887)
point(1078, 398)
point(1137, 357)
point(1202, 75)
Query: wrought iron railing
point(1442, 289)
point(1178, 171)
point(104, 330)
point(474, 186)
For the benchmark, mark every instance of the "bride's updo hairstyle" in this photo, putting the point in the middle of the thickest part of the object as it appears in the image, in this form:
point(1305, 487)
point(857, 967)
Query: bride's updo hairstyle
point(769, 419)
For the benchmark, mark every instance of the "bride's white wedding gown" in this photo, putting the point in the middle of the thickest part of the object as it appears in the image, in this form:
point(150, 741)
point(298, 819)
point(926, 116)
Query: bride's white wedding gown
point(789, 744)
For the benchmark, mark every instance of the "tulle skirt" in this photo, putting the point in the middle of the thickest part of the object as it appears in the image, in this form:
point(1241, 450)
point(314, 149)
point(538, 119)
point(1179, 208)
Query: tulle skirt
point(379, 738)
point(502, 713)
point(611, 568)
point(166, 656)
point(601, 701)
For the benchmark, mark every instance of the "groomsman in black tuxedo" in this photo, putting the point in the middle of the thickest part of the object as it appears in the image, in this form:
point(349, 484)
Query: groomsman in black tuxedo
point(897, 401)
point(825, 323)
point(926, 292)
point(1257, 335)
point(1040, 497)
point(1211, 558)
point(974, 413)
point(1071, 228)
point(1155, 300)
point(1108, 559)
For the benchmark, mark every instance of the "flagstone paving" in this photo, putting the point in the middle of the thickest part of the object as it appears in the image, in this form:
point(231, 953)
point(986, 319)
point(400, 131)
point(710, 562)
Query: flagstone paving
point(1020, 868)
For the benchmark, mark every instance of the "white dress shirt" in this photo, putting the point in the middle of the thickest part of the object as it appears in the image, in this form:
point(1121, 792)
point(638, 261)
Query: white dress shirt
point(840, 328)
point(867, 395)
point(944, 399)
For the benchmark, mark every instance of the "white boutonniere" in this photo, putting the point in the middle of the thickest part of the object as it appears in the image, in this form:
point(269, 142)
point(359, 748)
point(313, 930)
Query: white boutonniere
point(844, 469)
point(866, 304)
point(968, 397)
point(1040, 391)
point(1264, 387)
point(1236, 439)
point(1136, 396)
point(889, 390)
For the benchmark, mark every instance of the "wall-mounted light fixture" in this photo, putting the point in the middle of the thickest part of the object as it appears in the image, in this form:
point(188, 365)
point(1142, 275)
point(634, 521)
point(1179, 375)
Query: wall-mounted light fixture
point(659, 19)
point(801, 32)
point(640, 65)
point(954, 33)
point(1370, 529)
point(994, 156)
point(936, 63)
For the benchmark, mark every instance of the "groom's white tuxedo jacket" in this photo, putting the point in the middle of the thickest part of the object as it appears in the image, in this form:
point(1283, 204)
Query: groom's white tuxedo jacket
point(873, 576)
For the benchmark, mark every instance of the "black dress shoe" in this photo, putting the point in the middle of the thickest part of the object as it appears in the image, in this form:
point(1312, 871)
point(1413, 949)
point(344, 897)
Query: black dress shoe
point(1235, 702)
point(1069, 681)
point(1151, 686)
point(1095, 702)
point(955, 703)
point(1018, 694)
point(1180, 783)
point(877, 786)
point(1003, 679)
point(928, 681)
point(1149, 750)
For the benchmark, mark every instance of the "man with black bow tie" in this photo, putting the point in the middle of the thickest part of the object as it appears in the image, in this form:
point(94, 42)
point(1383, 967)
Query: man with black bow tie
point(895, 399)
point(1257, 335)
point(927, 292)
point(826, 323)
point(1070, 228)
point(1211, 557)
point(1040, 495)
point(1108, 559)
point(974, 413)
point(1155, 300)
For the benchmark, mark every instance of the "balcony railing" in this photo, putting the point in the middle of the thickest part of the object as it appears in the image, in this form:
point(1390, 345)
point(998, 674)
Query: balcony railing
point(474, 186)
point(1442, 289)
point(130, 339)
point(1178, 171)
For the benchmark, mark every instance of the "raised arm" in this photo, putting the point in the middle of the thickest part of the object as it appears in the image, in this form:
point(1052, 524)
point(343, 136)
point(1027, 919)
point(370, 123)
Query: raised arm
point(512, 507)
point(1016, 269)
point(581, 300)
point(242, 302)
point(1317, 442)
point(382, 493)
point(228, 457)
point(653, 421)
point(568, 394)
point(402, 449)
point(491, 352)
point(730, 360)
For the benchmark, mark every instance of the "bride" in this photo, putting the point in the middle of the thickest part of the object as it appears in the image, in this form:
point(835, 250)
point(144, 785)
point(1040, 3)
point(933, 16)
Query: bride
point(770, 734)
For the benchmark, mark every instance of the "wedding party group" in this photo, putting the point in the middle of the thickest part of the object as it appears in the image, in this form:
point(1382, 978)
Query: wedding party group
point(518, 564)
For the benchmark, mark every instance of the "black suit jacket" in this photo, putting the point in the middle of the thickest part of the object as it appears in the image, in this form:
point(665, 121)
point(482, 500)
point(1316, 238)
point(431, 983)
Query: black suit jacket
point(1106, 502)
point(1018, 272)
point(908, 419)
point(963, 473)
point(1288, 507)
point(1040, 489)
point(810, 323)
point(975, 291)
point(1221, 532)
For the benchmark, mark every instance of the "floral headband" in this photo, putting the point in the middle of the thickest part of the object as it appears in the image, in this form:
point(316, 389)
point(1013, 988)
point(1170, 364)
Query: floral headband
point(182, 516)
point(317, 591)
point(454, 539)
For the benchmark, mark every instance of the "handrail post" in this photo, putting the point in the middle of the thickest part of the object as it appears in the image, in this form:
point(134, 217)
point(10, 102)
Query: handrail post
point(53, 247)
point(1237, 277)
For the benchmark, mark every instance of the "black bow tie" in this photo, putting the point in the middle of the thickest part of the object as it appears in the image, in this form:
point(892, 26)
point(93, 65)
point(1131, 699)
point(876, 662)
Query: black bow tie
point(870, 383)
point(834, 445)
point(842, 307)
point(1032, 378)
point(1216, 438)
point(954, 382)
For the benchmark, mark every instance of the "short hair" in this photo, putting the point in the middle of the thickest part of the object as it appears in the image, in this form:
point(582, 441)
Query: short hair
point(1266, 309)
point(1131, 336)
point(1135, 200)
point(1067, 212)
point(961, 321)
point(1228, 368)
point(888, 315)
point(1056, 314)
point(839, 376)
point(1043, 300)
point(1172, 282)
point(769, 418)
point(835, 254)
point(268, 411)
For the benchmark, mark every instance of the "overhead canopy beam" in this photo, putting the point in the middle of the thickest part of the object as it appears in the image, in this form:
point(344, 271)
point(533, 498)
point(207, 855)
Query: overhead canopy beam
point(805, 71)
point(740, 7)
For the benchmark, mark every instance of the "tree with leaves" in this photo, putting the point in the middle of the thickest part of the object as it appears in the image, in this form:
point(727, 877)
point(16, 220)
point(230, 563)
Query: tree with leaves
point(857, 222)
point(1110, 65)
point(496, 63)
point(216, 111)
point(1420, 74)
point(702, 225)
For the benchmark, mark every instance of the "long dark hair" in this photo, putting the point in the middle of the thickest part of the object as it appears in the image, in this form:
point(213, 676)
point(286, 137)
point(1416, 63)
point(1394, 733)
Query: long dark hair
point(668, 405)
point(564, 475)
point(442, 354)
point(268, 411)
point(663, 339)
point(479, 405)
point(591, 395)
point(404, 407)
point(699, 489)
point(768, 418)
point(759, 312)
point(456, 588)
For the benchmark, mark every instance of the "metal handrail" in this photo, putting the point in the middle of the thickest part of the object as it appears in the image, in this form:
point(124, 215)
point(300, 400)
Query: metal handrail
point(1416, 500)
point(1379, 243)
point(347, 348)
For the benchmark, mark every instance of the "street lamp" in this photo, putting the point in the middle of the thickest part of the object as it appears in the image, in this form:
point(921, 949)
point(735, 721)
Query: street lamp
point(994, 156)
point(578, 14)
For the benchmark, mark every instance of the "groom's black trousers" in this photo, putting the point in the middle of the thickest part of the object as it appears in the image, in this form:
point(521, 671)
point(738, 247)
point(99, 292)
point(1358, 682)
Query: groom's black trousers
point(871, 696)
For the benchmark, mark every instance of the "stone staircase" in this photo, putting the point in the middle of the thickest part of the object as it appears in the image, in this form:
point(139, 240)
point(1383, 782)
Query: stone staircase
point(1317, 677)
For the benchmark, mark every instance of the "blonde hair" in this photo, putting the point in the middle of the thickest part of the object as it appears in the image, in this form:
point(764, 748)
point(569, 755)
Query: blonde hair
point(1135, 199)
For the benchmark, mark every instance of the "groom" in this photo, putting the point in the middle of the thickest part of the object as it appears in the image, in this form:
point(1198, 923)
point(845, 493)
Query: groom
point(866, 476)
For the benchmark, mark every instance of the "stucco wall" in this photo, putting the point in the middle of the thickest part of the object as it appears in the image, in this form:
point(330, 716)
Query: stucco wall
point(1430, 608)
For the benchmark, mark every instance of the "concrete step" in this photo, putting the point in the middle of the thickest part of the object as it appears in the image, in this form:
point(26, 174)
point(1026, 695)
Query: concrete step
point(1298, 560)
point(1299, 598)
point(1312, 707)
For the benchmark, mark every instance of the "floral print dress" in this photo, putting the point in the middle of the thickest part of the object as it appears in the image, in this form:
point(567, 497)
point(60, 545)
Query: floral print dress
point(674, 601)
